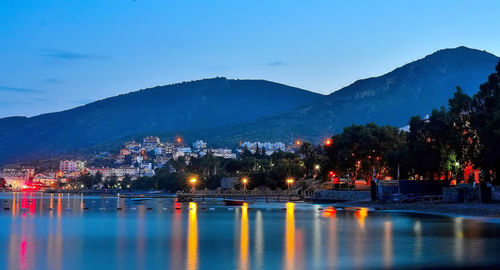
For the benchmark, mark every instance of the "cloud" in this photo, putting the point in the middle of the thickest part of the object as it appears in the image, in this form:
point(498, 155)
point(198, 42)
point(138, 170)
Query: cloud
point(7, 103)
point(276, 63)
point(18, 89)
point(53, 81)
point(70, 56)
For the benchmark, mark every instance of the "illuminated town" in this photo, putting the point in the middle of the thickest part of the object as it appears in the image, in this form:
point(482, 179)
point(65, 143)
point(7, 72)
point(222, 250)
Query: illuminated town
point(245, 135)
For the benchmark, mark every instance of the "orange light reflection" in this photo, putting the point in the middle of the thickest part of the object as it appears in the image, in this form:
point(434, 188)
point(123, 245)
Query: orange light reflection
point(290, 236)
point(244, 237)
point(192, 241)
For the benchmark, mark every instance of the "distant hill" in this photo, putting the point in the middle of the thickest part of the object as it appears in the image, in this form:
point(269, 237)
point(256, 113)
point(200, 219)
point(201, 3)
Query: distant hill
point(224, 112)
point(413, 89)
point(203, 104)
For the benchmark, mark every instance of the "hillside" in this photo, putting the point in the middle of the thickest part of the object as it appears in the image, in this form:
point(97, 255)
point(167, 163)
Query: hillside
point(203, 104)
point(224, 112)
point(413, 89)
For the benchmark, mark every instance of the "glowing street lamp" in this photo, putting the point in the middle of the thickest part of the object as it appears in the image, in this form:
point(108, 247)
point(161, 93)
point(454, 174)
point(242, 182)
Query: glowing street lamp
point(298, 142)
point(244, 181)
point(316, 167)
point(178, 140)
point(193, 181)
point(289, 182)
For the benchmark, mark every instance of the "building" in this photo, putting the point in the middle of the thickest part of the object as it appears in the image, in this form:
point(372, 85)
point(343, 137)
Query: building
point(151, 142)
point(223, 153)
point(199, 145)
point(69, 166)
point(105, 172)
point(133, 147)
point(17, 176)
point(167, 148)
point(269, 147)
point(122, 171)
point(49, 181)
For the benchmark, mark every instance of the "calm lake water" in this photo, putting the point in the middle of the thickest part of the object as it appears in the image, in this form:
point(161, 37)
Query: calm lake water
point(58, 232)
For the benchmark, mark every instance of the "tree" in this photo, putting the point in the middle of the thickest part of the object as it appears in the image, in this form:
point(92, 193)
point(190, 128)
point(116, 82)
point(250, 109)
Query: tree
point(486, 120)
point(3, 183)
point(313, 157)
point(361, 149)
point(111, 182)
point(126, 182)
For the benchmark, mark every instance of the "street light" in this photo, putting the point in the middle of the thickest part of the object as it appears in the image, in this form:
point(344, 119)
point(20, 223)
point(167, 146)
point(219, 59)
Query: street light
point(328, 142)
point(244, 180)
point(289, 182)
point(193, 182)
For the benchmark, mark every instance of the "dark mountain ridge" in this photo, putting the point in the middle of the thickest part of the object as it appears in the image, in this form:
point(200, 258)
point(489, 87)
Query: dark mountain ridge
point(224, 112)
point(391, 99)
point(202, 104)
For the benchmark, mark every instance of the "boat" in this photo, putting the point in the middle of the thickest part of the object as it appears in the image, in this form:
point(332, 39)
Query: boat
point(136, 199)
point(234, 202)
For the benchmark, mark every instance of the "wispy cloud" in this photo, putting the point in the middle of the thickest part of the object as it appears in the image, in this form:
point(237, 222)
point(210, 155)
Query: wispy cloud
point(53, 81)
point(276, 63)
point(18, 89)
point(7, 103)
point(71, 56)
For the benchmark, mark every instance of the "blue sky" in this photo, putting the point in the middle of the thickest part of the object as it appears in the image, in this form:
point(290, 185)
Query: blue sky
point(56, 55)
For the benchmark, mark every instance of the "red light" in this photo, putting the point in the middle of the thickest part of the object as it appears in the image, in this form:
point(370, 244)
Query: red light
point(332, 173)
point(328, 142)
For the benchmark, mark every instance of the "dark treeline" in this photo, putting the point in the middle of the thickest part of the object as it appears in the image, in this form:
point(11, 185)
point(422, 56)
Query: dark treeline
point(440, 146)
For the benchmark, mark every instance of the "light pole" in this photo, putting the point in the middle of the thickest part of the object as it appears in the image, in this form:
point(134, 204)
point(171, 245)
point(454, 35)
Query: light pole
point(289, 182)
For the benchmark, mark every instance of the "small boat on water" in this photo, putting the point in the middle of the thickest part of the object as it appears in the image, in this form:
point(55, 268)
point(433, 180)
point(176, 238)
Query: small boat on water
point(136, 199)
point(234, 202)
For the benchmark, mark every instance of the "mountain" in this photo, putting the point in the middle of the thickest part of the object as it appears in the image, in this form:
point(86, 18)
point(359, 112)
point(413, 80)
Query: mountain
point(203, 104)
point(224, 112)
point(391, 99)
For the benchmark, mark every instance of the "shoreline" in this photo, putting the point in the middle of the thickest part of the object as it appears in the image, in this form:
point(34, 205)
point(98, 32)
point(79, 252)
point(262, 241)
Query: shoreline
point(473, 210)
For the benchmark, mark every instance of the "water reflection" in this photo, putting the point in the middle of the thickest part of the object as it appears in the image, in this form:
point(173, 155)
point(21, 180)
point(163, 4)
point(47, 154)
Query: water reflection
point(192, 239)
point(259, 239)
point(360, 215)
point(417, 229)
point(458, 250)
point(176, 239)
point(290, 236)
point(244, 238)
point(387, 247)
point(137, 237)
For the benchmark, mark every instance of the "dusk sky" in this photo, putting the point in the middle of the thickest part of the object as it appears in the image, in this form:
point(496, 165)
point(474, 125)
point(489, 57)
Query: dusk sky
point(55, 55)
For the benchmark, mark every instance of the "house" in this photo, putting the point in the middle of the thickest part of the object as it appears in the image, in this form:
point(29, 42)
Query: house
point(151, 142)
point(17, 176)
point(70, 166)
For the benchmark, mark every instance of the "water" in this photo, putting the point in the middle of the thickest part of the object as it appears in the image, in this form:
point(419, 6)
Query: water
point(56, 232)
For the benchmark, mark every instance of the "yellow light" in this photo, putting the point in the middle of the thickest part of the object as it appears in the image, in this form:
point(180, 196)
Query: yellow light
point(316, 167)
point(289, 180)
point(244, 180)
point(193, 180)
point(298, 142)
